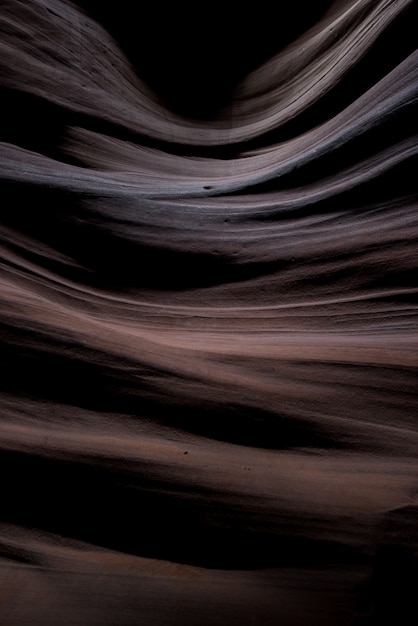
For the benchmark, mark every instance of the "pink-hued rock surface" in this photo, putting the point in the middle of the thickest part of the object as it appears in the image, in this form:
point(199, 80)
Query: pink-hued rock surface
point(208, 313)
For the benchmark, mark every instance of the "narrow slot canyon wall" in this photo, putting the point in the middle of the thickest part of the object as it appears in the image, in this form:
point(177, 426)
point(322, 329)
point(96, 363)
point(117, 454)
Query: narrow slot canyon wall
point(208, 310)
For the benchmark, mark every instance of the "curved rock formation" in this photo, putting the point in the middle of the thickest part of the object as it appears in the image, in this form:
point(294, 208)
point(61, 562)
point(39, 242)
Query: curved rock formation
point(208, 300)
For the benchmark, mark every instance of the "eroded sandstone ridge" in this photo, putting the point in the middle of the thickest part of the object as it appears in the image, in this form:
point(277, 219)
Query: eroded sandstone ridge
point(208, 308)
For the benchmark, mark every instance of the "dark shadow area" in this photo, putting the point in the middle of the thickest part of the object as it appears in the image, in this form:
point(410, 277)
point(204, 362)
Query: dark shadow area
point(391, 597)
point(352, 153)
point(32, 122)
point(193, 55)
point(37, 364)
point(106, 258)
point(137, 513)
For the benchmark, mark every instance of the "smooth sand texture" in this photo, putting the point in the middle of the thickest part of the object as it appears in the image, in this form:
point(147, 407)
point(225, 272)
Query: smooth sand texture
point(208, 309)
